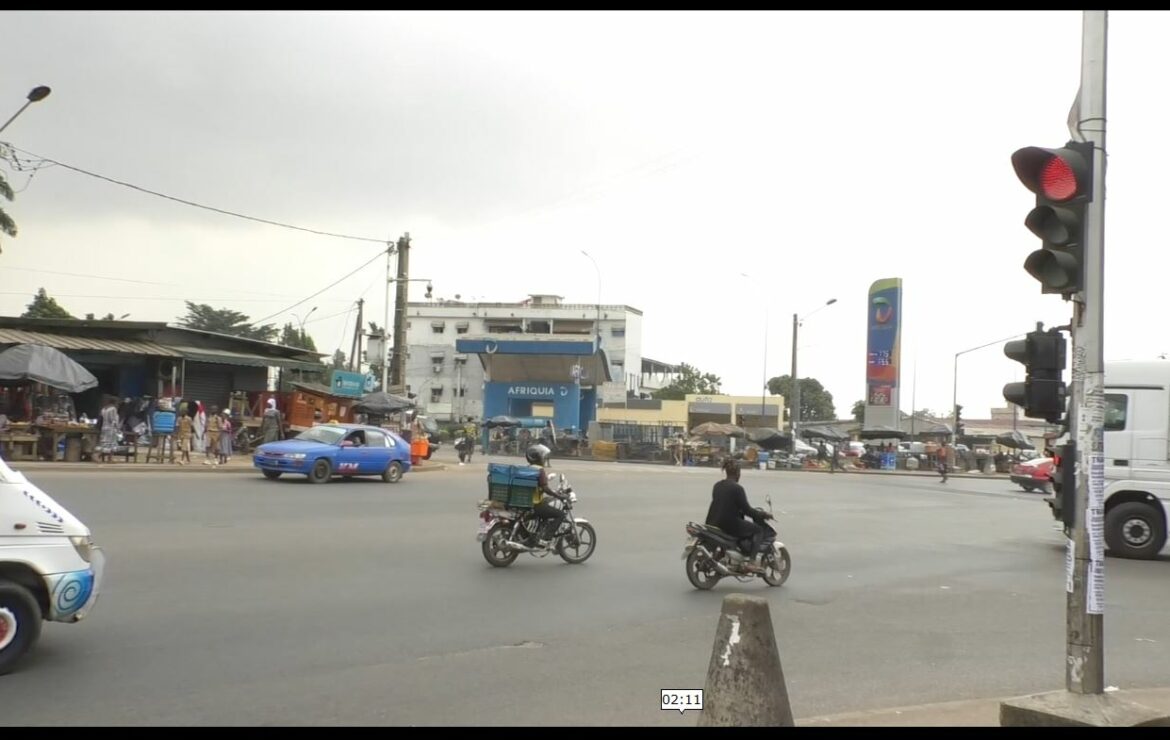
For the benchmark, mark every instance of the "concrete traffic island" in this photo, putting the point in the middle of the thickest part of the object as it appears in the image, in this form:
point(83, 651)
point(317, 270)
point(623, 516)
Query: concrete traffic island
point(1067, 709)
point(745, 682)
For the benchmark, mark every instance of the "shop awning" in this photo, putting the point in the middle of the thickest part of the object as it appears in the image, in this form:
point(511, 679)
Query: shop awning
point(72, 342)
point(709, 408)
point(247, 359)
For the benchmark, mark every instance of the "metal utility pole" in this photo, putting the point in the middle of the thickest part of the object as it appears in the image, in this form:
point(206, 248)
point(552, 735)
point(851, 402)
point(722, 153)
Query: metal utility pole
point(355, 355)
point(794, 410)
point(1085, 663)
point(398, 358)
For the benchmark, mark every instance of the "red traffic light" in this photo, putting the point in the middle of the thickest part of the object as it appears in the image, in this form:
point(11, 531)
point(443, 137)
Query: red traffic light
point(1056, 174)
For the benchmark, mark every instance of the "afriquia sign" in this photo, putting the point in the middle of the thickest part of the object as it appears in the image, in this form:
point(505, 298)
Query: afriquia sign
point(537, 391)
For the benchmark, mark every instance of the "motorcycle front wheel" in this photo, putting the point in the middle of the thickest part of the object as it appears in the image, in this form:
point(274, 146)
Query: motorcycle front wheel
point(495, 550)
point(700, 572)
point(575, 547)
point(777, 567)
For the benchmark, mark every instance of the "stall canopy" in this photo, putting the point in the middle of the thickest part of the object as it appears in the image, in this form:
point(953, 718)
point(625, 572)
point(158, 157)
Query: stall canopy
point(881, 432)
point(769, 439)
point(502, 421)
point(1015, 441)
point(712, 429)
point(817, 431)
point(41, 364)
point(383, 403)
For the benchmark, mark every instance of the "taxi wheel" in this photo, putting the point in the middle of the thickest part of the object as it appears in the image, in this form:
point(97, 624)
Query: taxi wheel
point(321, 473)
point(393, 473)
point(271, 474)
point(20, 624)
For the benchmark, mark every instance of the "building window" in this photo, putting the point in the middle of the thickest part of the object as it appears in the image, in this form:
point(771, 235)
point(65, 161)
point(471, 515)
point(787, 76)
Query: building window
point(461, 327)
point(1116, 408)
point(436, 394)
point(407, 324)
point(618, 331)
point(461, 359)
point(438, 327)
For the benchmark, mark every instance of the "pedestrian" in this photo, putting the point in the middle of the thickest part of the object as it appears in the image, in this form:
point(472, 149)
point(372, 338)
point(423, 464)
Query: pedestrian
point(186, 431)
point(272, 425)
point(943, 460)
point(211, 437)
point(834, 461)
point(110, 425)
point(199, 429)
point(225, 437)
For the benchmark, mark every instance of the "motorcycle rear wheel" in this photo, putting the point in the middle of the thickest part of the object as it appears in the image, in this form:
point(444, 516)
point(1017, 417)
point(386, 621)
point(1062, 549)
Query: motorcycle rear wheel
point(701, 575)
point(494, 550)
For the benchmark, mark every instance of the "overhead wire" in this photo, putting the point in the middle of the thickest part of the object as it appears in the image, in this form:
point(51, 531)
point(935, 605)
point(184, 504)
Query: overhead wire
point(8, 153)
point(319, 292)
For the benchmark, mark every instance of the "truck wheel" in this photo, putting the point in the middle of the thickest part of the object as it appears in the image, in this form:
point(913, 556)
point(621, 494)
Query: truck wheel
point(1134, 530)
point(20, 624)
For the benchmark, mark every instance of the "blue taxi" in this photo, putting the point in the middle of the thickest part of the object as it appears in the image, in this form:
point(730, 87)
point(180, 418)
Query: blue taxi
point(329, 450)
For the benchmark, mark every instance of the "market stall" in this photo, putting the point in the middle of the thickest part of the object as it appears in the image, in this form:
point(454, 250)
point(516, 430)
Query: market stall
point(47, 425)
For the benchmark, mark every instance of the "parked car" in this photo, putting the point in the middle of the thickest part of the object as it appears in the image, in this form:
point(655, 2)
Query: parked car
point(327, 450)
point(1032, 475)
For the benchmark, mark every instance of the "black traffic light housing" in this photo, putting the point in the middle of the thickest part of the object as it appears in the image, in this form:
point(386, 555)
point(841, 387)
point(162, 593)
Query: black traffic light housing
point(959, 430)
point(1043, 394)
point(1062, 180)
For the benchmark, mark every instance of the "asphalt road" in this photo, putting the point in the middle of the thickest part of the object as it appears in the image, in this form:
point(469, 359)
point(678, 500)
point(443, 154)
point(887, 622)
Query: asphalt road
point(231, 600)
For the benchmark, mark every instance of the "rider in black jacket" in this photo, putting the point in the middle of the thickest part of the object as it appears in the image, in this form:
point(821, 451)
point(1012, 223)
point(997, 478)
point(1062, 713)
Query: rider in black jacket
point(729, 506)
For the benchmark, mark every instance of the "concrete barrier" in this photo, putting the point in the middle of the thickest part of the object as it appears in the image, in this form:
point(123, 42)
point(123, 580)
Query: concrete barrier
point(745, 683)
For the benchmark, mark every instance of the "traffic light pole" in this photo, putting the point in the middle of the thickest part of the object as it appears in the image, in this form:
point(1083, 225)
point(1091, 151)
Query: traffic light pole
point(1085, 664)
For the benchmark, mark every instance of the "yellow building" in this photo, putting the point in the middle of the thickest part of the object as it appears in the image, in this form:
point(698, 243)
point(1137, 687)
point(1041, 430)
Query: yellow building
point(655, 421)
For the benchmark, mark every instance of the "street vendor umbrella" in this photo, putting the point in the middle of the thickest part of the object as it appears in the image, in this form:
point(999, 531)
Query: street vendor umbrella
point(1015, 441)
point(816, 431)
point(502, 421)
point(42, 364)
point(881, 432)
point(713, 429)
point(383, 403)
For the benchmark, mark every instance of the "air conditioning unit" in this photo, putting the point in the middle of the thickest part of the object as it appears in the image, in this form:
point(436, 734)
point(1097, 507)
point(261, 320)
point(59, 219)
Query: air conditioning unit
point(436, 368)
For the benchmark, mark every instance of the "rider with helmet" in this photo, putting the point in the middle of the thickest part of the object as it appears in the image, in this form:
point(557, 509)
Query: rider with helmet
point(549, 515)
point(729, 506)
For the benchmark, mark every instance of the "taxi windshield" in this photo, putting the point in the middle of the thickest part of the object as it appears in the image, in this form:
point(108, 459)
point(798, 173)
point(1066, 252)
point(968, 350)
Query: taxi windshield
point(323, 434)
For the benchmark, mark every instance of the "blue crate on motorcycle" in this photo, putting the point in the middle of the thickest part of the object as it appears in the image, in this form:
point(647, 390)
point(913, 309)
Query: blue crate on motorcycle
point(512, 485)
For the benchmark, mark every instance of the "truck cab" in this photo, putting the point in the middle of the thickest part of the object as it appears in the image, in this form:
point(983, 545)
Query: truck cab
point(50, 569)
point(1137, 458)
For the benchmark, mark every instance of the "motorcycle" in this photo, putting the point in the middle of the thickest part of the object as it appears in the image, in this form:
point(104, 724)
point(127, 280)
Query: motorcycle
point(712, 555)
point(507, 532)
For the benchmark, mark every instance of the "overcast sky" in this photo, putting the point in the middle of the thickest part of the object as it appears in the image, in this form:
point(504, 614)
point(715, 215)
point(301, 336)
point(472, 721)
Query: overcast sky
point(816, 152)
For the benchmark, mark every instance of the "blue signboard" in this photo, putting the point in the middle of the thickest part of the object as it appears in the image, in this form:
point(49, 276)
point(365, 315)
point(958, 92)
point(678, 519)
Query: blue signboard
point(349, 384)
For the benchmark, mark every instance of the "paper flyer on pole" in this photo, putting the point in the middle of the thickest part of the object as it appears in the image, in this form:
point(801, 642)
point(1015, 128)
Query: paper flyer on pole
point(1070, 564)
point(1096, 584)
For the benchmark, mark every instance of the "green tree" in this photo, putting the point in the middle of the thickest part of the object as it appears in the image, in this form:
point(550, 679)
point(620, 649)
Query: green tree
point(225, 321)
point(338, 360)
point(816, 403)
point(291, 336)
point(7, 225)
point(375, 362)
point(44, 306)
point(859, 411)
point(107, 317)
point(689, 380)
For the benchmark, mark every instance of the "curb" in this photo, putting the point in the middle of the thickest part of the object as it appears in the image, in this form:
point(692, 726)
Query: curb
point(910, 473)
point(47, 467)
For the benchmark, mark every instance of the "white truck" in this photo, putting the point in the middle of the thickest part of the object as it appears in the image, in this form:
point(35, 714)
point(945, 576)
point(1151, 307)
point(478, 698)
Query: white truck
point(50, 569)
point(1137, 459)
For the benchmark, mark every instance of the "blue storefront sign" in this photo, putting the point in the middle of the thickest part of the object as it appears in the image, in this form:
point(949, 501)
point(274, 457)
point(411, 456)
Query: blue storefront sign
point(345, 383)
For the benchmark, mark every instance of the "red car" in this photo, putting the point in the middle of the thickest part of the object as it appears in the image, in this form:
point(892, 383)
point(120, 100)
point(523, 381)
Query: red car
point(1032, 475)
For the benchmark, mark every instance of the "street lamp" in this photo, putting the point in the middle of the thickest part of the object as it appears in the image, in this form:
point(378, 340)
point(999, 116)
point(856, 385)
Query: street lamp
point(301, 331)
point(955, 387)
point(794, 413)
point(37, 93)
point(598, 270)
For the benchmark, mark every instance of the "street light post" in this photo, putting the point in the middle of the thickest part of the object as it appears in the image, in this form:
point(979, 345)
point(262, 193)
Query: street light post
point(794, 412)
point(37, 93)
point(955, 387)
point(301, 330)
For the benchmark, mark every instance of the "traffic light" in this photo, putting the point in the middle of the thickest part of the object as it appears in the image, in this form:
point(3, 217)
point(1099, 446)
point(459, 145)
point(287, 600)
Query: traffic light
point(1062, 180)
point(1064, 483)
point(1043, 394)
point(959, 431)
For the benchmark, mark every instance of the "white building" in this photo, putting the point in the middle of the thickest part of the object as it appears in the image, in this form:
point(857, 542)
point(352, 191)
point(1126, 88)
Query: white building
point(450, 385)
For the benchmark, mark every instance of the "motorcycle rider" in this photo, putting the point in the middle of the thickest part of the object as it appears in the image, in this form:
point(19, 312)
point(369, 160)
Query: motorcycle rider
point(548, 515)
point(729, 506)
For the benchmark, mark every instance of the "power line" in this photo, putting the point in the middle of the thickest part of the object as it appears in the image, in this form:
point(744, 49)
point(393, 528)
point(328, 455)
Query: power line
point(319, 292)
point(17, 164)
